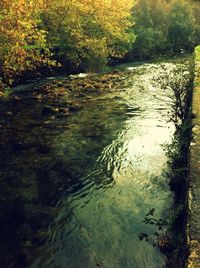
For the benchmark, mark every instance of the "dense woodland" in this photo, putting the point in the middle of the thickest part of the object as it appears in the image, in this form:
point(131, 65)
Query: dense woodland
point(86, 35)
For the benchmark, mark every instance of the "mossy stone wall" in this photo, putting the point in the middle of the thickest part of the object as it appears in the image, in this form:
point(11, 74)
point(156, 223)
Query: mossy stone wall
point(194, 174)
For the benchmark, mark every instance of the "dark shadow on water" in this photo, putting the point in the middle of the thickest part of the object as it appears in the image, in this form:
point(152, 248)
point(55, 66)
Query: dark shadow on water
point(39, 163)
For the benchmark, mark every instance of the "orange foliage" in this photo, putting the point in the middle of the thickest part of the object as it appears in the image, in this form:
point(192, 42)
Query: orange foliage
point(85, 32)
point(21, 38)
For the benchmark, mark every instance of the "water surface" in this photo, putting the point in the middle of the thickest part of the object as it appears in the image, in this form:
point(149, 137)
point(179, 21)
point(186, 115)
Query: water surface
point(75, 190)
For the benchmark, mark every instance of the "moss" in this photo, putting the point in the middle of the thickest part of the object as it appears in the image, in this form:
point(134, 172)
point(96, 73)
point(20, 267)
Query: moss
point(5, 93)
point(193, 202)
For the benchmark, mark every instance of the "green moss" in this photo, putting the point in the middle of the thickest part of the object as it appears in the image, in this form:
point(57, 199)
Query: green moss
point(7, 92)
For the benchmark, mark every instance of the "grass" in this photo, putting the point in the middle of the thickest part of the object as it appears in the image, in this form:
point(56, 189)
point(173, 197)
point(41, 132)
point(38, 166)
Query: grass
point(197, 53)
point(197, 61)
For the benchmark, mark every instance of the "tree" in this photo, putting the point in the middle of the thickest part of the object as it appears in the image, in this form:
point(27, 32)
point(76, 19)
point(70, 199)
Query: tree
point(196, 12)
point(164, 26)
point(84, 33)
point(181, 26)
point(22, 42)
point(150, 28)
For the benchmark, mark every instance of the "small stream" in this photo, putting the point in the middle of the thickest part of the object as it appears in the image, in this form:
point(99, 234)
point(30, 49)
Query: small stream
point(75, 190)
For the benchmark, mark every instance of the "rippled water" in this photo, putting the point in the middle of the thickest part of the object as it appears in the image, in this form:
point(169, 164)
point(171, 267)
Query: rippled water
point(82, 203)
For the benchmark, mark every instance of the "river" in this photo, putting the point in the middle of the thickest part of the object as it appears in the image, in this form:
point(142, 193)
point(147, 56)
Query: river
point(75, 190)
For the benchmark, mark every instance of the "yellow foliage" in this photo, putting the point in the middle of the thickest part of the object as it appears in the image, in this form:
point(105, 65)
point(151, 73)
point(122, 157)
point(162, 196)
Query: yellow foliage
point(88, 28)
point(84, 32)
point(21, 39)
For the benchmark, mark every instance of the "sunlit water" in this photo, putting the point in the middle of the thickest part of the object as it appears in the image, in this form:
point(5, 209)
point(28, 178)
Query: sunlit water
point(82, 204)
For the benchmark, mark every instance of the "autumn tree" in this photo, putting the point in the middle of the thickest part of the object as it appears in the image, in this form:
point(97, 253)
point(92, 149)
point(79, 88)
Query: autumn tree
point(84, 33)
point(22, 41)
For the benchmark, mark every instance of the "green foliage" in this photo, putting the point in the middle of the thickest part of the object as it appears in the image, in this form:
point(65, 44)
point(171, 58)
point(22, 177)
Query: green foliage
point(181, 26)
point(164, 26)
point(85, 34)
point(150, 20)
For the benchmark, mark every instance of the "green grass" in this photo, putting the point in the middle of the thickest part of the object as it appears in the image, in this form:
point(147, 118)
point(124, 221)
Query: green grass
point(197, 53)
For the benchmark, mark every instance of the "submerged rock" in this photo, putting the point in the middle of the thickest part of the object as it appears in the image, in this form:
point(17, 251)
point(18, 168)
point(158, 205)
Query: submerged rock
point(9, 113)
point(43, 149)
point(49, 110)
point(64, 110)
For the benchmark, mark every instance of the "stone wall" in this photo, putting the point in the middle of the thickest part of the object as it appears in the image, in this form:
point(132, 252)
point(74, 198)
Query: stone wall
point(194, 175)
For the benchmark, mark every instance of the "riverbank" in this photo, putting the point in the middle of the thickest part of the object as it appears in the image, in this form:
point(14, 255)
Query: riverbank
point(194, 187)
point(62, 73)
